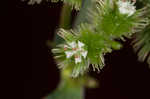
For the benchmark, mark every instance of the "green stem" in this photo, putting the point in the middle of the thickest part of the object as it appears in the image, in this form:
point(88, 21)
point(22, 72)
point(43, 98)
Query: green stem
point(84, 13)
point(74, 89)
point(65, 22)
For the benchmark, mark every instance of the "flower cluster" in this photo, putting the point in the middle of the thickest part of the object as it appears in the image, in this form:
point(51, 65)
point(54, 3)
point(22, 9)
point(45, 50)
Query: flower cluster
point(126, 7)
point(76, 50)
point(92, 41)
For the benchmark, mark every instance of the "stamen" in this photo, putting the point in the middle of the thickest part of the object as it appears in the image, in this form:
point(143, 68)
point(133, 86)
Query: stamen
point(65, 48)
point(74, 49)
point(134, 1)
point(76, 56)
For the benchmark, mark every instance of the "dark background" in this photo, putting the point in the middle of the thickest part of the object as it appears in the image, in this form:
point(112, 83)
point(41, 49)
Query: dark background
point(122, 78)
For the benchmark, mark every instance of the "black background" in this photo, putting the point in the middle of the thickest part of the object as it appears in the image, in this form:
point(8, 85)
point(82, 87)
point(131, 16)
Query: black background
point(122, 78)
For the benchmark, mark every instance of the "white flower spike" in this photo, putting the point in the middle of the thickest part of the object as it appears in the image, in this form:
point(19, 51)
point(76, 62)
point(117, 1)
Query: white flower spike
point(77, 50)
point(126, 7)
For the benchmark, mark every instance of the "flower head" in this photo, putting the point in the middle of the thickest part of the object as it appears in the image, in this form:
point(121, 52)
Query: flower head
point(76, 50)
point(126, 7)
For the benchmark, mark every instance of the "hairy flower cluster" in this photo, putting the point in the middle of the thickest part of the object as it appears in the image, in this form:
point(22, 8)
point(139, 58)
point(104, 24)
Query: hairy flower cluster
point(76, 50)
point(87, 46)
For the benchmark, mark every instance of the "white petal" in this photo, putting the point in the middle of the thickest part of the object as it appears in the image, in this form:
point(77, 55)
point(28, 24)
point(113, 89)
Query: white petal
point(126, 7)
point(80, 44)
point(84, 54)
point(78, 60)
point(74, 51)
point(65, 46)
point(72, 44)
point(69, 54)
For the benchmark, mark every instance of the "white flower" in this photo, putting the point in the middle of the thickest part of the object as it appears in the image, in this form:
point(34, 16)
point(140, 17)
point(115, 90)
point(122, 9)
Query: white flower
point(84, 54)
point(126, 7)
point(78, 59)
point(69, 54)
point(75, 49)
point(80, 44)
point(72, 44)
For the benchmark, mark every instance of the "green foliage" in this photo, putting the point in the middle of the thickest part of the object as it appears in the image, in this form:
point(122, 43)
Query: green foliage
point(142, 44)
point(97, 38)
point(96, 45)
point(142, 40)
point(113, 23)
